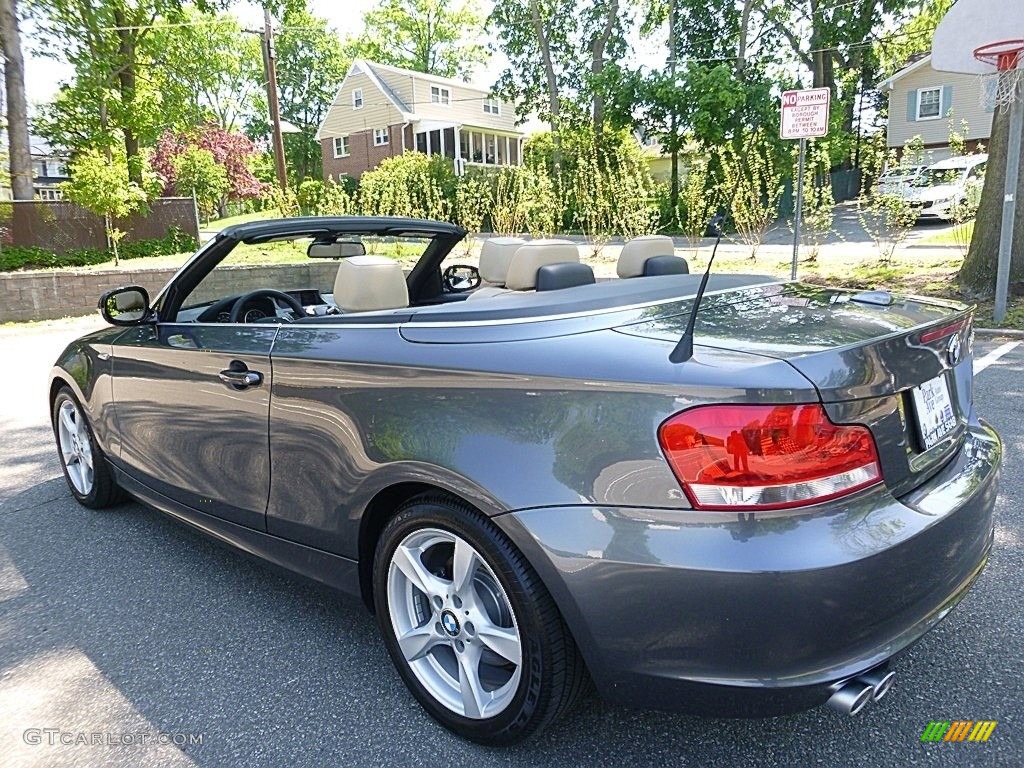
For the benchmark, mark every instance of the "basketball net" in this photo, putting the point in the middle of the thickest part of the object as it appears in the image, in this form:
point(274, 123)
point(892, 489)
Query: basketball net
point(1000, 89)
point(1006, 85)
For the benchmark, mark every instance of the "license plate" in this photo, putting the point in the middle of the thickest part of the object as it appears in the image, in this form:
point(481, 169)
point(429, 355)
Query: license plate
point(934, 409)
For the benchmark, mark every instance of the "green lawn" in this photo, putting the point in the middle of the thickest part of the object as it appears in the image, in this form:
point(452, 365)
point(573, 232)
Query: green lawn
point(958, 235)
point(243, 218)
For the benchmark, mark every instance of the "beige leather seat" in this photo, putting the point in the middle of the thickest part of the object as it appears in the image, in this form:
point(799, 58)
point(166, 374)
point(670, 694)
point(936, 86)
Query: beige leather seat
point(522, 271)
point(495, 256)
point(370, 283)
point(637, 251)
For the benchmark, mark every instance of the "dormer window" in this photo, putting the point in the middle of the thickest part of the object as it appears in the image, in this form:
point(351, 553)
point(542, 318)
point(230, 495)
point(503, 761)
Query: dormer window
point(492, 107)
point(440, 95)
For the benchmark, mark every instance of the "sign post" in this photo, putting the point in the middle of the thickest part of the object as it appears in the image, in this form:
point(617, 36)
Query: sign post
point(804, 116)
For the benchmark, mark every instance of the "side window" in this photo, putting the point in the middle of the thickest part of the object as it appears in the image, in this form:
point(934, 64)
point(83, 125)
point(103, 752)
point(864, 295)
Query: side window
point(929, 103)
point(357, 98)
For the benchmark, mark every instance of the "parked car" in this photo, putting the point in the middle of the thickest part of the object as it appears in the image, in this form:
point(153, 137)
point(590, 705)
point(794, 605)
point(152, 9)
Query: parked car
point(898, 180)
point(941, 187)
point(535, 482)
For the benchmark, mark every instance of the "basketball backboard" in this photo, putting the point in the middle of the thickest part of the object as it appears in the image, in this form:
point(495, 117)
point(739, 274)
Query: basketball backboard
point(970, 24)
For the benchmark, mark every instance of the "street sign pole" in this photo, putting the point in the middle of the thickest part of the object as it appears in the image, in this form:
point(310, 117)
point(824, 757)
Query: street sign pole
point(799, 212)
point(1009, 207)
point(804, 115)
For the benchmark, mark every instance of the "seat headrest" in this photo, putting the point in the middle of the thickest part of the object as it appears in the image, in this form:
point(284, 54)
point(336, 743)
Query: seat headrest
point(495, 255)
point(369, 283)
point(522, 272)
point(568, 274)
point(666, 265)
point(638, 250)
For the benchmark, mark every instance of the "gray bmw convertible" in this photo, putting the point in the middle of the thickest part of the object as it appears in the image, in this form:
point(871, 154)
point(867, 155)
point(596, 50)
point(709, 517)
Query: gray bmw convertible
point(723, 494)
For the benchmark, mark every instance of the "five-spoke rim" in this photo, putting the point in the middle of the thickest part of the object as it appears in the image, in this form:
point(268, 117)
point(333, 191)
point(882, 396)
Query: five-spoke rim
point(454, 623)
point(75, 448)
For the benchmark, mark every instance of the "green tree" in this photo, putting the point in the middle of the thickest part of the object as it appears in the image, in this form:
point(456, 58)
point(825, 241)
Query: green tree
point(752, 176)
point(209, 70)
point(912, 37)
point(197, 171)
point(440, 37)
point(102, 185)
point(110, 44)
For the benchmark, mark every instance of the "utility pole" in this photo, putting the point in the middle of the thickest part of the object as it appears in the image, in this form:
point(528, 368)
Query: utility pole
point(17, 111)
point(269, 57)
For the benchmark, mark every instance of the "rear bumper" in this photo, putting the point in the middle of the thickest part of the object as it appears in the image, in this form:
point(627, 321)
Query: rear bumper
point(735, 615)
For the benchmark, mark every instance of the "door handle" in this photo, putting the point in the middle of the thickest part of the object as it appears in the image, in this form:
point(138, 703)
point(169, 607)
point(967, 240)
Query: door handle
point(240, 377)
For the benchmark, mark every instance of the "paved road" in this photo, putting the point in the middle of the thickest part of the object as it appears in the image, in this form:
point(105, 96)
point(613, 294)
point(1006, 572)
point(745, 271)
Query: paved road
point(124, 622)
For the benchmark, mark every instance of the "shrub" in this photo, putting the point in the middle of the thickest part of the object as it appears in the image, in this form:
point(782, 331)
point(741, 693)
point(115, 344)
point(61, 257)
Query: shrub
point(14, 257)
point(410, 184)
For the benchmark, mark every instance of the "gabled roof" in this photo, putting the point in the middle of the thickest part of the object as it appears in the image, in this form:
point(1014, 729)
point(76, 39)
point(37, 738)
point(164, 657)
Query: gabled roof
point(913, 66)
point(368, 68)
point(387, 68)
point(363, 67)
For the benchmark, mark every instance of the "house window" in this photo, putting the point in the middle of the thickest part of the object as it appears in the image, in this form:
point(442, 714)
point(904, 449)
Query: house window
point(380, 137)
point(357, 98)
point(341, 146)
point(929, 103)
point(439, 95)
point(492, 107)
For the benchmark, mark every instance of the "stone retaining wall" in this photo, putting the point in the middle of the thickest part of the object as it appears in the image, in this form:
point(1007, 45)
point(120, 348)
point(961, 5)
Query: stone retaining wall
point(50, 294)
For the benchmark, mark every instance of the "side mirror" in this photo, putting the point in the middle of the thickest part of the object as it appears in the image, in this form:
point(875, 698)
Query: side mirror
point(459, 278)
point(128, 305)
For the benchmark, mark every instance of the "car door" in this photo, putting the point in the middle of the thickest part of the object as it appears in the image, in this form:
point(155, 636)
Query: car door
point(192, 403)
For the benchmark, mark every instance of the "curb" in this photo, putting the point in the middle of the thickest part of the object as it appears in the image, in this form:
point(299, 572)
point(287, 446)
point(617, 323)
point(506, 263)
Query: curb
point(996, 332)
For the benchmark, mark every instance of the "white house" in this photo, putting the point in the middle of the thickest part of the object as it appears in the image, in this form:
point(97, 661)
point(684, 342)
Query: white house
point(927, 103)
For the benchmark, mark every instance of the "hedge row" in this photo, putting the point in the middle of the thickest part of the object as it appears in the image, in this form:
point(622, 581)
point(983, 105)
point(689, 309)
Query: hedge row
point(14, 257)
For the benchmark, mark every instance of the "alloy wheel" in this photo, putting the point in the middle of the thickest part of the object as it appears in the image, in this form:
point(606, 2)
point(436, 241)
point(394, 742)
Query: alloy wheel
point(454, 623)
point(75, 446)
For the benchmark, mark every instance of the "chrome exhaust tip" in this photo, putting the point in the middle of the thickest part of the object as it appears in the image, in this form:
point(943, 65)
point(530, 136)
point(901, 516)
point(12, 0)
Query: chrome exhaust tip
point(880, 681)
point(851, 697)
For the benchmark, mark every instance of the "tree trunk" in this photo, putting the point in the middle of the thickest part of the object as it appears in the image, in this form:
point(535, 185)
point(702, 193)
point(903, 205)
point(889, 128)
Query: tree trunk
point(673, 189)
point(127, 88)
point(597, 48)
point(741, 49)
point(978, 273)
point(554, 105)
point(17, 112)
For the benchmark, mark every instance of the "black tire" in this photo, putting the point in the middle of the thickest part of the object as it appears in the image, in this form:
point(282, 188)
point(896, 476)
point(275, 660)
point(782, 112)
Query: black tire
point(105, 491)
point(553, 675)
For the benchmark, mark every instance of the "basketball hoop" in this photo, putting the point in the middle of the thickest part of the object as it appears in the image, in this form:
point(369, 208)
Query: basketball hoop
point(1002, 87)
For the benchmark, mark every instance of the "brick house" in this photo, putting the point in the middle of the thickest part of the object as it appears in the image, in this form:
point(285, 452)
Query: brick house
point(382, 111)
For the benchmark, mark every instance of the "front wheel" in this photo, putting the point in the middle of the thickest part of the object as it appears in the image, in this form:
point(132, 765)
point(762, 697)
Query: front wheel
point(85, 467)
point(470, 627)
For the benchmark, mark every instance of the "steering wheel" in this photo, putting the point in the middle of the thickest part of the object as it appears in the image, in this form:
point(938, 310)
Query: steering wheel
point(459, 278)
point(270, 293)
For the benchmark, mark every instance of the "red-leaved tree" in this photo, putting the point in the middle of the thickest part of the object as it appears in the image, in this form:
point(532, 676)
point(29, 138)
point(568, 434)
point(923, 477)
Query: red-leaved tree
point(231, 150)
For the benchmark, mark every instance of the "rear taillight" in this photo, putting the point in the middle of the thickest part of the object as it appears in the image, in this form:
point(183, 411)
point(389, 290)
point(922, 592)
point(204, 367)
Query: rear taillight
point(745, 457)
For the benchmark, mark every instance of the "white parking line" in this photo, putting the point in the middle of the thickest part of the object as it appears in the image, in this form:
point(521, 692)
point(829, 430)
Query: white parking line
point(982, 363)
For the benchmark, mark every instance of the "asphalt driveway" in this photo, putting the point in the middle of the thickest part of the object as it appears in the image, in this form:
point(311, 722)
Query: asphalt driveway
point(127, 632)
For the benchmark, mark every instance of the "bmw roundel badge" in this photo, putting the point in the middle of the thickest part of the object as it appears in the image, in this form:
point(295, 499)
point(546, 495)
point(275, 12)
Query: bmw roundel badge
point(450, 623)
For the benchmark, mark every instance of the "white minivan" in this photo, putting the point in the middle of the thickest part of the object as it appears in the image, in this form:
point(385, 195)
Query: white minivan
point(940, 187)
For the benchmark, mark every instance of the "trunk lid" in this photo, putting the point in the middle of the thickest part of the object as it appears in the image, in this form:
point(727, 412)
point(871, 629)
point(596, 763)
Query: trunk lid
point(903, 368)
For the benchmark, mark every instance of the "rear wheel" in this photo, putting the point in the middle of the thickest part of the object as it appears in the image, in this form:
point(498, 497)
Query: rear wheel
point(471, 629)
point(85, 467)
